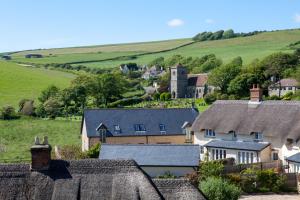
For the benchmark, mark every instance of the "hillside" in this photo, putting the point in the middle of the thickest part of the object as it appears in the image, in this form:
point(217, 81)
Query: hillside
point(108, 56)
point(19, 82)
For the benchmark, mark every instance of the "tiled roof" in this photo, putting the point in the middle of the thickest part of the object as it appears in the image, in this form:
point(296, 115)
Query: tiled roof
point(172, 118)
point(153, 154)
point(198, 80)
point(288, 82)
point(251, 146)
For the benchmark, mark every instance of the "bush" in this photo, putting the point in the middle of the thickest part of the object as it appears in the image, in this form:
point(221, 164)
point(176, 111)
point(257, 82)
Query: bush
point(156, 96)
point(26, 107)
point(125, 102)
point(71, 152)
point(94, 151)
point(193, 178)
point(210, 98)
point(8, 113)
point(218, 189)
point(52, 108)
point(165, 96)
point(211, 169)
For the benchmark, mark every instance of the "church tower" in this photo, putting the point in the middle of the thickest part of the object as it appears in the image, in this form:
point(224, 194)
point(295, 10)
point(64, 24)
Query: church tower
point(179, 81)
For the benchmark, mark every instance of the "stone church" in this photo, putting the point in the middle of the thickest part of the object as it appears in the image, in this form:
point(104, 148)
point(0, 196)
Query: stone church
point(185, 85)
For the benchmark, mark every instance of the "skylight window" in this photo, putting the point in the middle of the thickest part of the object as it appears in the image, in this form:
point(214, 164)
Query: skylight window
point(139, 127)
point(162, 128)
point(117, 129)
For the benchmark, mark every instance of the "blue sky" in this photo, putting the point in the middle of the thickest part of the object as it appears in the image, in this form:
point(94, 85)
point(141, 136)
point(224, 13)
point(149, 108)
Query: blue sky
point(34, 24)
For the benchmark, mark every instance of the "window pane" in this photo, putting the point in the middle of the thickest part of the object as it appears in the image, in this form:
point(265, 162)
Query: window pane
point(217, 154)
point(221, 155)
point(251, 158)
point(239, 157)
point(247, 157)
point(213, 154)
point(224, 153)
point(243, 157)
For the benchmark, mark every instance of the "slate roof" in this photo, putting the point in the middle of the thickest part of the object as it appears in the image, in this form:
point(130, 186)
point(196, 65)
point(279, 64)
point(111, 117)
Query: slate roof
point(179, 189)
point(279, 119)
point(251, 146)
point(81, 179)
point(172, 118)
point(198, 80)
point(153, 154)
point(294, 158)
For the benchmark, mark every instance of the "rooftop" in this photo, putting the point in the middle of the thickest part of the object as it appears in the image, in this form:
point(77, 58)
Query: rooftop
point(294, 158)
point(272, 118)
point(251, 146)
point(151, 120)
point(153, 154)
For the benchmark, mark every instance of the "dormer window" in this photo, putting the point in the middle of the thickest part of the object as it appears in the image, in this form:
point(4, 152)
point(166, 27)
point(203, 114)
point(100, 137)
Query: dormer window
point(258, 136)
point(234, 136)
point(139, 128)
point(210, 133)
point(162, 128)
point(117, 129)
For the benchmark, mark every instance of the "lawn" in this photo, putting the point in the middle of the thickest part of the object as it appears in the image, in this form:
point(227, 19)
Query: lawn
point(249, 48)
point(19, 82)
point(17, 136)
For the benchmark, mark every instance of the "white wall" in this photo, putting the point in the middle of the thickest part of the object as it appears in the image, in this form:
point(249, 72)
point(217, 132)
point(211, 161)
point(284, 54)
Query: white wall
point(293, 167)
point(154, 171)
point(84, 138)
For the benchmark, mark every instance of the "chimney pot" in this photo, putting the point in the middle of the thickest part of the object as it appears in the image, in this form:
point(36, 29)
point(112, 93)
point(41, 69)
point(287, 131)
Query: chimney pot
point(40, 155)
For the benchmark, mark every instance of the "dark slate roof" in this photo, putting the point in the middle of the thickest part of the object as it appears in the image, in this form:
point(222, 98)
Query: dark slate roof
point(279, 119)
point(81, 179)
point(172, 118)
point(197, 80)
point(179, 189)
point(153, 154)
point(251, 146)
point(294, 158)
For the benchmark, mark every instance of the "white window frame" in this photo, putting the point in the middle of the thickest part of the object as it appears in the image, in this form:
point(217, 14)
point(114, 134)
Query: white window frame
point(258, 136)
point(218, 154)
point(246, 157)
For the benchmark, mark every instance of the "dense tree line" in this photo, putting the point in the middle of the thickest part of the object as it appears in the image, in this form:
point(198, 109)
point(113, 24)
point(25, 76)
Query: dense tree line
point(221, 34)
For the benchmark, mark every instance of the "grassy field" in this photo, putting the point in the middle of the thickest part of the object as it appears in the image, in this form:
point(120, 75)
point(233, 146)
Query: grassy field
point(249, 48)
point(17, 136)
point(19, 82)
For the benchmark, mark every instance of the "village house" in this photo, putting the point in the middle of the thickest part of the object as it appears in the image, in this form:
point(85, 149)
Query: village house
point(92, 179)
point(185, 85)
point(156, 159)
point(153, 72)
point(249, 131)
point(137, 126)
point(126, 68)
point(283, 87)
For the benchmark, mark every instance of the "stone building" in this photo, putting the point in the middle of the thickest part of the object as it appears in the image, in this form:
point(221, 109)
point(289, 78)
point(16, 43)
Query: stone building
point(185, 85)
point(137, 126)
point(283, 87)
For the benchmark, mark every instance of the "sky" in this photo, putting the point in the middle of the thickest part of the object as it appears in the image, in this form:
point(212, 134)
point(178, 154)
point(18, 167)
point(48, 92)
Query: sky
point(33, 24)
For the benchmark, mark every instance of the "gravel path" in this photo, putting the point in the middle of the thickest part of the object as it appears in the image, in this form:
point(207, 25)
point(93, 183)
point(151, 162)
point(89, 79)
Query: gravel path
point(271, 197)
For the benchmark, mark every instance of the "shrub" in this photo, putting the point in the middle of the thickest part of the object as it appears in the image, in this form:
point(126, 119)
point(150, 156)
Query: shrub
point(94, 151)
point(156, 96)
point(210, 98)
point(288, 96)
point(211, 168)
point(52, 108)
point(71, 152)
point(8, 113)
point(218, 189)
point(26, 107)
point(167, 175)
point(193, 178)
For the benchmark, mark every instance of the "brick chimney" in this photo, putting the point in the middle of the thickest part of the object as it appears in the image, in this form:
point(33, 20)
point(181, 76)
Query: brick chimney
point(40, 155)
point(256, 93)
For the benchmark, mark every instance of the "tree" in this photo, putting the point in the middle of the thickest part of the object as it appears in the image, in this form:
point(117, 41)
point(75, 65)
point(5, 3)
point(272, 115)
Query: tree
point(173, 60)
point(228, 34)
point(240, 84)
point(221, 76)
point(217, 35)
point(26, 107)
point(107, 88)
point(52, 108)
point(50, 92)
point(8, 113)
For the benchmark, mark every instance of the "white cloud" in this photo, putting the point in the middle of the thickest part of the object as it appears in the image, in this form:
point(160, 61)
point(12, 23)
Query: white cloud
point(175, 22)
point(297, 18)
point(209, 21)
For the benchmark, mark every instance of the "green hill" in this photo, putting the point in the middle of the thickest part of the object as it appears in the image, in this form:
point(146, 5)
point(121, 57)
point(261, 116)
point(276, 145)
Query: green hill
point(108, 56)
point(19, 82)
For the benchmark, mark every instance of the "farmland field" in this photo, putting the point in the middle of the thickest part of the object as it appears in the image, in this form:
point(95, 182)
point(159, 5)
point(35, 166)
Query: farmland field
point(17, 136)
point(19, 82)
point(249, 48)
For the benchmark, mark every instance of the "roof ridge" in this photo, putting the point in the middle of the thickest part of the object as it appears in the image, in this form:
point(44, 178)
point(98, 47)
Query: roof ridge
point(150, 144)
point(87, 109)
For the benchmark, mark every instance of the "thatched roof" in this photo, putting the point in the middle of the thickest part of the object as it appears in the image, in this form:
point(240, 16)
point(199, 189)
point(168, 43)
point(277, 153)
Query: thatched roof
point(83, 179)
point(279, 119)
point(179, 189)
